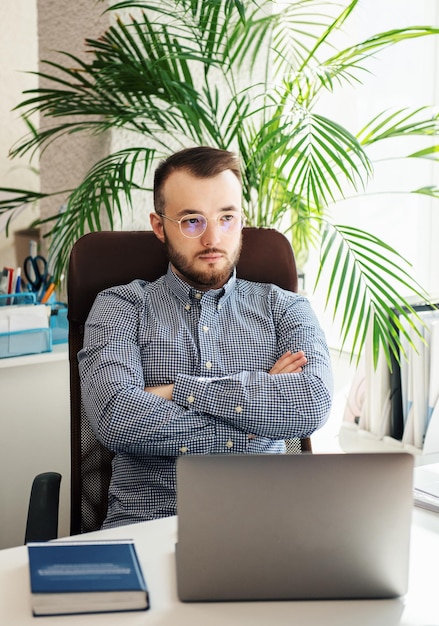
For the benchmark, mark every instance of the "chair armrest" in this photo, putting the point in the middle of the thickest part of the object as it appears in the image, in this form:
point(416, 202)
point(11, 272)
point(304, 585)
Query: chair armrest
point(42, 517)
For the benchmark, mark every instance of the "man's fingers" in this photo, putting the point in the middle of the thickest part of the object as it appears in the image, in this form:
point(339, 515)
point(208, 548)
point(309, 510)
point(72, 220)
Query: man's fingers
point(289, 363)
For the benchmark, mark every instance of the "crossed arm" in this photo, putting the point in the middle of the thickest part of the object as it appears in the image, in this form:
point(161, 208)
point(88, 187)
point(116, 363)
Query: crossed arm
point(288, 363)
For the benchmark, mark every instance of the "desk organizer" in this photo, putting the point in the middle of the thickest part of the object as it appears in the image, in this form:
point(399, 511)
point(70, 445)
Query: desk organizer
point(59, 324)
point(25, 341)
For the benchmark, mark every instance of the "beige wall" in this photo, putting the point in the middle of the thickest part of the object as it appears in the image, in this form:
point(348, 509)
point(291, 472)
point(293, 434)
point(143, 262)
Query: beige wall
point(33, 30)
point(64, 25)
point(19, 56)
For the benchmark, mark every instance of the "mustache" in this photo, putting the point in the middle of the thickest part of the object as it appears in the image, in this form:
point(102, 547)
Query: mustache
point(211, 251)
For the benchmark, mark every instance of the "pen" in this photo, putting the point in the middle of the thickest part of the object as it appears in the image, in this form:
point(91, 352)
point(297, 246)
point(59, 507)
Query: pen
point(10, 278)
point(18, 280)
point(10, 273)
point(49, 291)
point(17, 288)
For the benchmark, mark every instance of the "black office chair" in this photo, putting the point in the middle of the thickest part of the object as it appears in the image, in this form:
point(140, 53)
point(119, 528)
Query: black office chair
point(43, 511)
point(103, 259)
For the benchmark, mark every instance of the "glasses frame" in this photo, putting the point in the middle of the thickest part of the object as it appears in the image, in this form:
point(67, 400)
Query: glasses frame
point(206, 220)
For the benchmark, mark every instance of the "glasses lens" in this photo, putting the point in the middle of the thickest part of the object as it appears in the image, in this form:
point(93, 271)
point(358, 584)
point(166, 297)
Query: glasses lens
point(193, 225)
point(229, 222)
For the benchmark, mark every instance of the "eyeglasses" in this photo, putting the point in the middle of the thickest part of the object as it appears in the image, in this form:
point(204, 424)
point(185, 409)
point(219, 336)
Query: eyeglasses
point(195, 225)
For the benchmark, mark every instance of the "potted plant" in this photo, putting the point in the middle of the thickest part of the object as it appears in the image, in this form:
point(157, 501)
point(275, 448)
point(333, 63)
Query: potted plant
point(239, 75)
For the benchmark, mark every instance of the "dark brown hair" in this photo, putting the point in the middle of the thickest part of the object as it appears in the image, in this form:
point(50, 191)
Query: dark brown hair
point(201, 162)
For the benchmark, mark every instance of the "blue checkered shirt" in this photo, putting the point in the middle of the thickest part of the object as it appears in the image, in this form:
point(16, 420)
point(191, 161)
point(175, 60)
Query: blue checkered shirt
point(217, 347)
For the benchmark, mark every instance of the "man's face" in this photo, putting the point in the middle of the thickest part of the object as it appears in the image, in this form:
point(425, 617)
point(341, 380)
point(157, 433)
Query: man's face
point(205, 262)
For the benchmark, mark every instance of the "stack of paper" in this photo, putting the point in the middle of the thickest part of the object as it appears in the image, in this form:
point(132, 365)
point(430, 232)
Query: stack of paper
point(426, 487)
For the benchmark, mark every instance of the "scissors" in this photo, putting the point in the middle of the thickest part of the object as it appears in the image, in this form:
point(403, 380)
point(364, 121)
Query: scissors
point(36, 272)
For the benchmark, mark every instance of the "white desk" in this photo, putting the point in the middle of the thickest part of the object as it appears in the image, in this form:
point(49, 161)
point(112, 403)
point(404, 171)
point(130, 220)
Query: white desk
point(155, 543)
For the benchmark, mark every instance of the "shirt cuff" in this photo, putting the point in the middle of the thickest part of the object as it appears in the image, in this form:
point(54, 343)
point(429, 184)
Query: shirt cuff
point(193, 392)
point(188, 392)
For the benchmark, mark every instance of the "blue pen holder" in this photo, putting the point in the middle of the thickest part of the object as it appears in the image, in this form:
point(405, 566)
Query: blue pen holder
point(23, 342)
point(25, 297)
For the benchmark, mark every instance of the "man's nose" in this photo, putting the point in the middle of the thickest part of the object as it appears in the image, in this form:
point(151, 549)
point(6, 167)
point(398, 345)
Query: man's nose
point(212, 234)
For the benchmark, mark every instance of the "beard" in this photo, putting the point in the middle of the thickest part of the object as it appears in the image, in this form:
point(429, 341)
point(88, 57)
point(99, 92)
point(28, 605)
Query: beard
point(202, 278)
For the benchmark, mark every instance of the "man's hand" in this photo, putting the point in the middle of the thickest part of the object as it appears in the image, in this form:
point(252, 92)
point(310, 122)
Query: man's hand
point(164, 391)
point(289, 363)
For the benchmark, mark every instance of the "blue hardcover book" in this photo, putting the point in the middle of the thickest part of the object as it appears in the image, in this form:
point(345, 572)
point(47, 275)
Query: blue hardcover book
point(86, 577)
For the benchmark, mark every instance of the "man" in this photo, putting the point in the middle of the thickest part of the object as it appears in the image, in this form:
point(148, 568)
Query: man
point(197, 362)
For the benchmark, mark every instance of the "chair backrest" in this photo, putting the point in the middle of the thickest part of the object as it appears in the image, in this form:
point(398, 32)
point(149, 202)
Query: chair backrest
point(104, 259)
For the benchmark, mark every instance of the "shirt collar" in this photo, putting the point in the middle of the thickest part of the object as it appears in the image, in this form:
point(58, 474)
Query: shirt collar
point(187, 294)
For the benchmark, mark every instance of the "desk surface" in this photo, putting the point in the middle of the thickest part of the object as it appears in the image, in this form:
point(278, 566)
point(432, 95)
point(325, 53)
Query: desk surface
point(155, 543)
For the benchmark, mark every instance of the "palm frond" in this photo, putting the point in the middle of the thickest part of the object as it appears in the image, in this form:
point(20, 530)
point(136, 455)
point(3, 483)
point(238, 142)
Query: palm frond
point(99, 194)
point(400, 123)
point(349, 63)
point(366, 280)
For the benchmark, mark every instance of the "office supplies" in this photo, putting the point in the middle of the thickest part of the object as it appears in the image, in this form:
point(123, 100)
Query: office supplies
point(271, 527)
point(49, 291)
point(59, 324)
point(17, 288)
point(4, 284)
point(85, 577)
point(10, 271)
point(18, 280)
point(399, 379)
point(7, 284)
point(24, 328)
point(36, 272)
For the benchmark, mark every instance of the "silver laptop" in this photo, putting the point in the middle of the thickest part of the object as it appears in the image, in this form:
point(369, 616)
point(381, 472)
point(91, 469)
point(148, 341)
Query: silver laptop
point(291, 527)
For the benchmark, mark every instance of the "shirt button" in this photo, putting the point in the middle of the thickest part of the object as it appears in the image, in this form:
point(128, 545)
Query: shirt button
point(198, 296)
point(187, 307)
point(183, 449)
point(218, 307)
point(206, 329)
point(238, 409)
point(229, 444)
point(190, 399)
point(208, 365)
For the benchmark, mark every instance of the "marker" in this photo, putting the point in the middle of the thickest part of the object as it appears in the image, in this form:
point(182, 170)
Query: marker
point(18, 280)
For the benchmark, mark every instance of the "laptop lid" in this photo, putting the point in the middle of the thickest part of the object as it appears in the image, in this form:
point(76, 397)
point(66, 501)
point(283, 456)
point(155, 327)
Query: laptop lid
point(272, 527)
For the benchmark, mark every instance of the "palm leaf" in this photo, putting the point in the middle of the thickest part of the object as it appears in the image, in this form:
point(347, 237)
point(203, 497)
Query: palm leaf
point(400, 123)
point(99, 194)
point(366, 280)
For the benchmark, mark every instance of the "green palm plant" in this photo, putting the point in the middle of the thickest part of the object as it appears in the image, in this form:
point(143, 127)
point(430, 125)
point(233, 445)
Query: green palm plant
point(236, 74)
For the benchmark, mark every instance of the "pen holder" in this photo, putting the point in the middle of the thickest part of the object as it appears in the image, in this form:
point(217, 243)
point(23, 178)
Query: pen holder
point(22, 342)
point(10, 299)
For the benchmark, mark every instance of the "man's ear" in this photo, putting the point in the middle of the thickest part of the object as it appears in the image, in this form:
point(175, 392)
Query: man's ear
point(157, 226)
